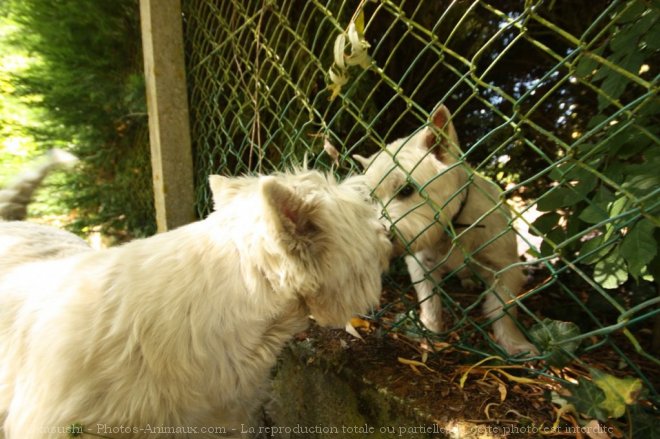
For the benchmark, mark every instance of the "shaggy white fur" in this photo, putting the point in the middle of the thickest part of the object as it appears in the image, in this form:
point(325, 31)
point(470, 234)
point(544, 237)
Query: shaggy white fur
point(15, 198)
point(425, 190)
point(179, 331)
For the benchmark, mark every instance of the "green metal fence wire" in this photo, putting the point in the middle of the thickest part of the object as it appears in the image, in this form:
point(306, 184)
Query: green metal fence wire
point(555, 100)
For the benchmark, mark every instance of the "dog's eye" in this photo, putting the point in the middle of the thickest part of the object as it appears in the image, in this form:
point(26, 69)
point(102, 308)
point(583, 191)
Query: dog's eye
point(406, 191)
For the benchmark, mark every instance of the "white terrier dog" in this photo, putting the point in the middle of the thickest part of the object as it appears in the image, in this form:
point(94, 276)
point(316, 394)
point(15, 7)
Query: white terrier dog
point(15, 198)
point(425, 192)
point(174, 335)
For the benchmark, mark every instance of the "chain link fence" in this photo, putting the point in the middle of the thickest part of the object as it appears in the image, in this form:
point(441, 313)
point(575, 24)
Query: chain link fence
point(555, 100)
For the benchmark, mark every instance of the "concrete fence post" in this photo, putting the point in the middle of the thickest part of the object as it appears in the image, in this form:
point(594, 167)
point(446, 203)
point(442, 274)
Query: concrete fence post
point(167, 100)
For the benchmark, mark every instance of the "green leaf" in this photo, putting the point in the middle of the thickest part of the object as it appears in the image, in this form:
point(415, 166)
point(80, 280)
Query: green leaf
point(594, 213)
point(558, 173)
point(585, 67)
point(586, 397)
point(642, 179)
point(586, 183)
point(618, 206)
point(611, 271)
point(622, 41)
point(549, 335)
point(559, 196)
point(613, 87)
point(644, 425)
point(552, 240)
point(594, 250)
point(618, 392)
point(596, 120)
point(638, 247)
point(544, 224)
point(634, 10)
point(652, 38)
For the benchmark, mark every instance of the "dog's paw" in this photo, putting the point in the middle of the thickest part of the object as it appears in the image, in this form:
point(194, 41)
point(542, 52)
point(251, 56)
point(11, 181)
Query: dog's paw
point(432, 323)
point(516, 347)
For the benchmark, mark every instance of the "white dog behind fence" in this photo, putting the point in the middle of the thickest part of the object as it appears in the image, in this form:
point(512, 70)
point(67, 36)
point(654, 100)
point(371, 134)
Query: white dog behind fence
point(177, 333)
point(426, 190)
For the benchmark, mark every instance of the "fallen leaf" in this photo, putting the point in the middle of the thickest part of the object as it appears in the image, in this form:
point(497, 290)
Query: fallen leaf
point(487, 409)
point(619, 392)
point(502, 388)
point(521, 380)
point(474, 366)
point(351, 330)
point(594, 430)
point(413, 364)
point(357, 322)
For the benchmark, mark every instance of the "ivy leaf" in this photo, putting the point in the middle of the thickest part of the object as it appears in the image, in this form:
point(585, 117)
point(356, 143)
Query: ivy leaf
point(549, 336)
point(586, 397)
point(639, 247)
point(618, 392)
point(644, 424)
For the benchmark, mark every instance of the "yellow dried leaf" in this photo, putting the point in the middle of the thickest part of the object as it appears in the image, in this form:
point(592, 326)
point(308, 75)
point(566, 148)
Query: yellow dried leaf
point(619, 392)
point(521, 380)
point(502, 389)
point(413, 363)
point(356, 322)
point(479, 363)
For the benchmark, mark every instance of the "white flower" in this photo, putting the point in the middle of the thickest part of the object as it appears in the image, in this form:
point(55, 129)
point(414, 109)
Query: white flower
point(359, 46)
point(340, 44)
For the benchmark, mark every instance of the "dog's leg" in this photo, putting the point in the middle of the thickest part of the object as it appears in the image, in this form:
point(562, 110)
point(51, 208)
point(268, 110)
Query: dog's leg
point(507, 334)
point(430, 303)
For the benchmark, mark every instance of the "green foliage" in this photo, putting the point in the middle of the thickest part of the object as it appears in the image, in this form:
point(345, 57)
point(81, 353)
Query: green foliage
point(603, 396)
point(644, 425)
point(607, 186)
point(16, 113)
point(619, 392)
point(586, 397)
point(549, 335)
point(87, 81)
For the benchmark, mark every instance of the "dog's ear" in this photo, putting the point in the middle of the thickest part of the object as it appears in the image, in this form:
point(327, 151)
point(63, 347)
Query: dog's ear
point(218, 186)
point(441, 135)
point(365, 162)
point(291, 216)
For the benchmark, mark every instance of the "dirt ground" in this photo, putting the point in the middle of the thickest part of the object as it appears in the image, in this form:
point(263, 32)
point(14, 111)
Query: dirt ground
point(450, 384)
